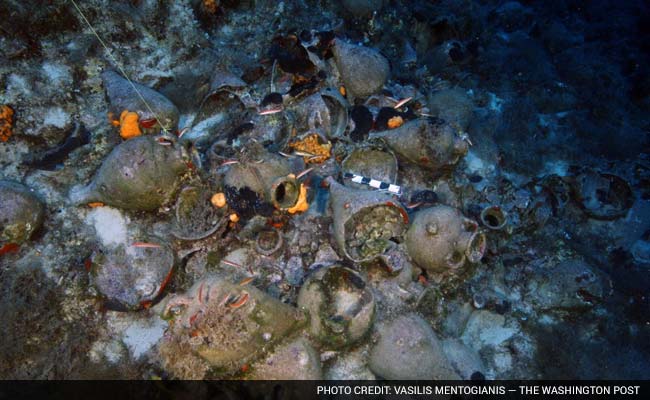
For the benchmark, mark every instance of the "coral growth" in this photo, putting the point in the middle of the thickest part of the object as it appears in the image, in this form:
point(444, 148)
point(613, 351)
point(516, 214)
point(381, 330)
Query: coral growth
point(312, 148)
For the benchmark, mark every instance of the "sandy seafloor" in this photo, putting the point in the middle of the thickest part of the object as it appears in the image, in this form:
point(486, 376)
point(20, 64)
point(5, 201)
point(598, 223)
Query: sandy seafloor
point(550, 94)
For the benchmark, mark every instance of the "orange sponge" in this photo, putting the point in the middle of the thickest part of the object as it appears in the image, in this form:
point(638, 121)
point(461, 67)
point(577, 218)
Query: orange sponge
point(6, 122)
point(129, 125)
point(301, 205)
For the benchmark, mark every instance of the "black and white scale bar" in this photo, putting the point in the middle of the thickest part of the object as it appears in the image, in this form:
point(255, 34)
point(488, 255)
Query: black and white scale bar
point(373, 183)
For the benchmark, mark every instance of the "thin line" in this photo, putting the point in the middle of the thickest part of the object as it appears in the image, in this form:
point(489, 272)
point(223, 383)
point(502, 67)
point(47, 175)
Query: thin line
point(119, 67)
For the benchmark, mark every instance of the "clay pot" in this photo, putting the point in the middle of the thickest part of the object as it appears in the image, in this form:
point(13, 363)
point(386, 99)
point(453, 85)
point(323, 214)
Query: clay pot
point(603, 196)
point(132, 277)
point(325, 111)
point(296, 360)
point(139, 174)
point(372, 162)
point(441, 240)
point(222, 110)
point(222, 326)
point(493, 217)
point(340, 305)
point(122, 97)
point(21, 212)
point(407, 348)
point(571, 284)
point(452, 105)
point(363, 70)
point(366, 223)
point(431, 145)
point(271, 179)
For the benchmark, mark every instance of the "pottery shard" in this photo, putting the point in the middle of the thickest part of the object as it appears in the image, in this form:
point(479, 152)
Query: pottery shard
point(364, 70)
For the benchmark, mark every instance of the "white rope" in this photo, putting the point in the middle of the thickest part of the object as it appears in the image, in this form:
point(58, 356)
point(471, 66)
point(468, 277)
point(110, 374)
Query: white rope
point(110, 55)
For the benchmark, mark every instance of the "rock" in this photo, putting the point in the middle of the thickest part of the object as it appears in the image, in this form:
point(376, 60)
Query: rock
point(297, 360)
point(465, 361)
point(221, 326)
point(21, 212)
point(363, 70)
point(122, 97)
point(139, 174)
point(452, 105)
point(294, 271)
point(130, 277)
point(485, 328)
point(340, 305)
point(512, 16)
point(111, 227)
point(142, 335)
point(362, 8)
point(409, 349)
point(570, 285)
point(641, 251)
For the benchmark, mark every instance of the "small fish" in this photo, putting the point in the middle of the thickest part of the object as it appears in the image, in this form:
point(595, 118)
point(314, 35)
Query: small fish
point(229, 162)
point(226, 300)
point(145, 245)
point(193, 318)
point(239, 301)
point(305, 172)
point(9, 248)
point(182, 132)
point(201, 293)
point(148, 123)
point(166, 281)
point(402, 102)
point(246, 281)
point(305, 154)
point(270, 111)
point(232, 264)
point(164, 141)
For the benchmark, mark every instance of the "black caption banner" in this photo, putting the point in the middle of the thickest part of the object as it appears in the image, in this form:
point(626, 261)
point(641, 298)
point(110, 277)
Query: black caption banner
point(285, 390)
